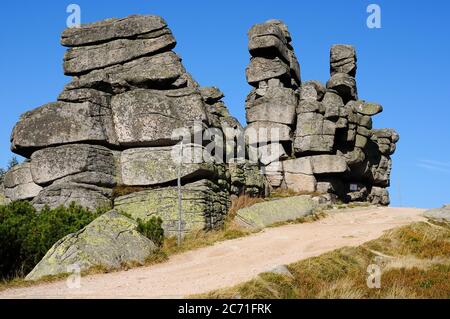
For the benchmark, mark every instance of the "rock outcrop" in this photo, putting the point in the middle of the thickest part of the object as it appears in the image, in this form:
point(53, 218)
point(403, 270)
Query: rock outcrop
point(311, 137)
point(439, 214)
point(116, 129)
point(113, 137)
point(110, 241)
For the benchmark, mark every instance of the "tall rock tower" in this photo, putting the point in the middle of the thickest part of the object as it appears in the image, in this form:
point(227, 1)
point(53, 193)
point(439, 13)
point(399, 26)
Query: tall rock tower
point(311, 138)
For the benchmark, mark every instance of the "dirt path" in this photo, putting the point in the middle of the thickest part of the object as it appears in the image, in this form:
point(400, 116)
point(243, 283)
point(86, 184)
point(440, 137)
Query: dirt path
point(231, 262)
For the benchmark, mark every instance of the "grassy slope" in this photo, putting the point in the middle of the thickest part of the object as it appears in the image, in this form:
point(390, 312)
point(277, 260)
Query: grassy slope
point(415, 263)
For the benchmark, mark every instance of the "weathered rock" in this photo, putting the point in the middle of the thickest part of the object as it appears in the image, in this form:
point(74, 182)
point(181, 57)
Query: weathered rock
point(440, 214)
point(263, 132)
point(277, 105)
point(319, 87)
point(332, 103)
point(318, 164)
point(391, 134)
point(271, 153)
point(298, 182)
point(267, 213)
point(150, 117)
point(314, 143)
point(63, 194)
point(80, 60)
point(161, 70)
point(19, 183)
point(345, 85)
point(328, 164)
point(111, 29)
point(204, 205)
point(379, 196)
point(268, 46)
point(261, 69)
point(343, 59)
point(211, 94)
point(80, 95)
point(50, 164)
point(310, 106)
point(314, 124)
point(365, 108)
point(159, 165)
point(73, 122)
point(110, 241)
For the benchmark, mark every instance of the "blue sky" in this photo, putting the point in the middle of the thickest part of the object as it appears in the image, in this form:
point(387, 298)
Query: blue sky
point(404, 66)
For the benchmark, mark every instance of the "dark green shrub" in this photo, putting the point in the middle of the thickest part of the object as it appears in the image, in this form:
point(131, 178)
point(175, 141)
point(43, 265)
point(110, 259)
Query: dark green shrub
point(25, 235)
point(152, 229)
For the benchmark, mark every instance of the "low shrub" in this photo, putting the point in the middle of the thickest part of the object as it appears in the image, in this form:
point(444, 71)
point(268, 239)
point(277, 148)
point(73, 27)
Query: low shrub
point(26, 235)
point(152, 229)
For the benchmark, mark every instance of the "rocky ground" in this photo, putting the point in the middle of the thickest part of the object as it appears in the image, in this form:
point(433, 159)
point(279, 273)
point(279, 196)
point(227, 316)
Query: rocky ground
point(231, 262)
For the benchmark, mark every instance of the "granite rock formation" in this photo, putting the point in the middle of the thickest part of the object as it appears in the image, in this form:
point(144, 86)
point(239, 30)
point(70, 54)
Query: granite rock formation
point(112, 138)
point(311, 137)
point(109, 138)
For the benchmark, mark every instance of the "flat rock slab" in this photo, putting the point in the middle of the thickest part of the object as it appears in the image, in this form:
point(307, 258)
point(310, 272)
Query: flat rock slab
point(62, 123)
point(159, 165)
point(280, 210)
point(50, 164)
point(111, 29)
point(109, 241)
point(157, 71)
point(80, 60)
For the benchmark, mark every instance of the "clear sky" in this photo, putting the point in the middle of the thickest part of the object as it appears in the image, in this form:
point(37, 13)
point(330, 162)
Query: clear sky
point(405, 65)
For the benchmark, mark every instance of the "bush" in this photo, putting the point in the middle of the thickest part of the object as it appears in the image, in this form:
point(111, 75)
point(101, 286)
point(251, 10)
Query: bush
point(152, 229)
point(26, 236)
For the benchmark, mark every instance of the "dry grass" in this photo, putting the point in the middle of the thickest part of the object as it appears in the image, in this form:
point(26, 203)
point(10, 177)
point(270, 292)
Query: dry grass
point(415, 264)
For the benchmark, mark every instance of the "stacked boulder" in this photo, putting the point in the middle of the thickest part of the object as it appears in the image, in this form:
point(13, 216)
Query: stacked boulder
point(113, 136)
point(311, 137)
point(274, 72)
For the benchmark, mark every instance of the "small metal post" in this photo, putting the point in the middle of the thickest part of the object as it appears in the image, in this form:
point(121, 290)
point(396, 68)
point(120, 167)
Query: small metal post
point(180, 218)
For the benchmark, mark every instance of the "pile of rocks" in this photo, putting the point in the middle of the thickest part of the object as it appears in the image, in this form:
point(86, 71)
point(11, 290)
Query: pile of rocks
point(310, 137)
point(109, 139)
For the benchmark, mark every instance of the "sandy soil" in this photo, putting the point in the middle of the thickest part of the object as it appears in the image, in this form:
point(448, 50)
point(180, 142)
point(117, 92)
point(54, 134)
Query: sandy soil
point(231, 262)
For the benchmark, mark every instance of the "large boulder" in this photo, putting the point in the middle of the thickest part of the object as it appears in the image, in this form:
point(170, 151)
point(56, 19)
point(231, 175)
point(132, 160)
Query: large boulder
point(343, 59)
point(80, 60)
point(204, 205)
point(345, 85)
point(62, 123)
point(261, 69)
point(159, 165)
point(365, 108)
point(65, 192)
point(19, 183)
point(111, 29)
point(440, 214)
point(265, 131)
point(277, 105)
point(267, 213)
point(110, 241)
point(50, 164)
point(150, 117)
